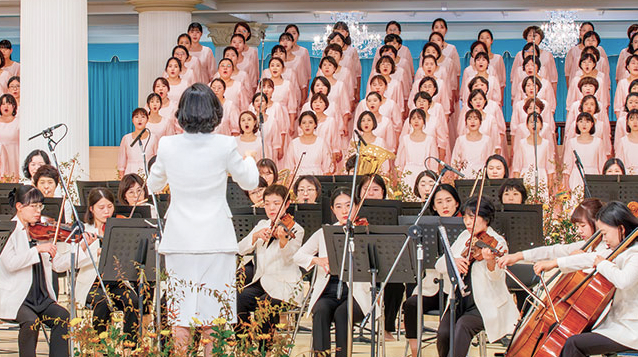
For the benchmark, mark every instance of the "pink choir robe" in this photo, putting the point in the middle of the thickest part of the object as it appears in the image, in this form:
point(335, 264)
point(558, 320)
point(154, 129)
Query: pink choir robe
point(493, 93)
point(518, 124)
point(454, 70)
point(602, 127)
point(492, 125)
point(289, 74)
point(165, 127)
point(627, 151)
point(14, 69)
point(436, 127)
point(4, 162)
point(287, 95)
point(621, 71)
point(304, 73)
point(230, 119)
point(472, 154)
point(344, 75)
point(175, 93)
point(442, 97)
point(592, 156)
point(411, 157)
point(352, 61)
point(547, 62)
point(602, 94)
point(546, 93)
point(523, 161)
point(621, 127)
point(394, 91)
point(405, 59)
point(315, 162)
point(130, 159)
point(389, 109)
point(4, 79)
point(328, 129)
point(208, 63)
point(276, 123)
point(10, 139)
point(255, 145)
point(196, 66)
point(237, 94)
point(573, 57)
point(250, 65)
point(496, 67)
point(622, 90)
point(385, 131)
point(400, 75)
point(241, 77)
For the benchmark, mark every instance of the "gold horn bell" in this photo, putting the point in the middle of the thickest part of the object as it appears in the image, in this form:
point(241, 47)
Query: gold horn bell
point(371, 158)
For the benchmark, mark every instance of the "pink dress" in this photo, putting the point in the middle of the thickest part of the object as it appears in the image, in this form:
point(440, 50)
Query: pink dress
point(442, 97)
point(492, 125)
point(130, 159)
point(352, 61)
point(250, 65)
point(388, 109)
point(621, 71)
point(621, 127)
point(196, 66)
point(411, 157)
point(573, 57)
point(435, 126)
point(207, 61)
point(394, 91)
point(175, 93)
point(10, 139)
point(241, 77)
point(255, 145)
point(497, 68)
point(471, 154)
point(523, 161)
point(164, 127)
point(289, 74)
point(627, 151)
point(328, 130)
point(4, 79)
point(602, 94)
point(315, 162)
point(399, 75)
point(385, 131)
point(518, 124)
point(14, 69)
point(288, 96)
point(547, 63)
point(622, 90)
point(454, 67)
point(592, 155)
point(546, 93)
point(602, 128)
point(275, 124)
point(304, 73)
point(230, 119)
point(4, 163)
point(493, 93)
point(237, 95)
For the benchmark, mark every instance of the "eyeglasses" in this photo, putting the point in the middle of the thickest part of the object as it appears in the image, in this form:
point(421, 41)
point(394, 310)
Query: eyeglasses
point(306, 190)
point(38, 206)
point(13, 86)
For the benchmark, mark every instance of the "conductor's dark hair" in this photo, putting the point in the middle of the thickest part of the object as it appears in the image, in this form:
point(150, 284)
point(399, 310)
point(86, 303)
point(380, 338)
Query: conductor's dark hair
point(46, 171)
point(338, 192)
point(279, 190)
point(32, 154)
point(195, 26)
point(485, 210)
point(26, 195)
point(429, 173)
point(199, 109)
point(395, 23)
point(270, 165)
point(452, 191)
point(502, 160)
point(128, 181)
point(512, 184)
point(586, 212)
point(94, 196)
point(614, 161)
point(617, 214)
point(364, 181)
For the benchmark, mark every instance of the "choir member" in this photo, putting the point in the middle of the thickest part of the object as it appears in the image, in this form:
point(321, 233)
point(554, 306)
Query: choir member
point(631, 103)
point(481, 64)
point(524, 163)
point(271, 128)
point(10, 134)
point(276, 276)
point(401, 74)
point(27, 297)
point(248, 60)
point(534, 34)
point(435, 124)
point(325, 306)
point(388, 108)
point(186, 73)
point(284, 92)
point(614, 166)
point(590, 150)
point(627, 147)
point(339, 106)
point(168, 108)
point(518, 123)
point(586, 86)
point(589, 104)
point(496, 61)
point(4, 76)
point(304, 74)
point(238, 75)
point(497, 168)
point(473, 148)
point(203, 53)
point(292, 62)
point(307, 188)
point(249, 137)
point(235, 90)
point(289, 73)
point(531, 66)
point(431, 70)
point(366, 123)
point(177, 84)
point(415, 148)
point(342, 73)
point(621, 71)
point(571, 61)
point(622, 89)
point(591, 41)
point(315, 160)
point(189, 61)
point(130, 158)
point(587, 64)
point(13, 88)
point(491, 126)
point(350, 54)
point(486, 281)
point(386, 67)
point(393, 39)
point(158, 125)
point(328, 66)
point(32, 163)
point(11, 66)
point(512, 192)
point(229, 124)
point(424, 183)
point(448, 50)
point(327, 127)
point(384, 128)
point(532, 102)
point(444, 70)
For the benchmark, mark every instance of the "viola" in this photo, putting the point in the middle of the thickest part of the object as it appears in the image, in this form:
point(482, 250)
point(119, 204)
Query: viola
point(46, 231)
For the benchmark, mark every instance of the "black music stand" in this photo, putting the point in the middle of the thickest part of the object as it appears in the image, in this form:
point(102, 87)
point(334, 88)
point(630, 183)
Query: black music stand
point(430, 225)
point(235, 196)
point(381, 212)
point(491, 188)
point(308, 215)
point(84, 187)
point(6, 228)
point(6, 217)
point(51, 207)
point(6, 187)
point(411, 209)
point(140, 211)
point(521, 226)
point(245, 219)
point(121, 240)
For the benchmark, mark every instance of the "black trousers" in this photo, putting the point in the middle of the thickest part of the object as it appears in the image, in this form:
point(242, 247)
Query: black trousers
point(123, 299)
point(247, 303)
point(409, 311)
point(326, 310)
point(55, 317)
point(467, 326)
point(392, 298)
point(590, 343)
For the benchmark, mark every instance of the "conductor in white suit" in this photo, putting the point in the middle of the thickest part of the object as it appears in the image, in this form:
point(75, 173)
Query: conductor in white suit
point(199, 242)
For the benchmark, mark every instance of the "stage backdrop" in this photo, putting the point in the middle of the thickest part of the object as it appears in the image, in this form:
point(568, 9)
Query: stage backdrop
point(113, 87)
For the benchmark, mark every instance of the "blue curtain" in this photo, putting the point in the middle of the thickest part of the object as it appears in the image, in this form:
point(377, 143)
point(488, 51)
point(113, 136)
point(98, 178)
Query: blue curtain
point(112, 98)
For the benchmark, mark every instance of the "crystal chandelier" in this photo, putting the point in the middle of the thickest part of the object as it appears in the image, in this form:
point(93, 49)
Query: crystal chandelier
point(365, 42)
point(561, 33)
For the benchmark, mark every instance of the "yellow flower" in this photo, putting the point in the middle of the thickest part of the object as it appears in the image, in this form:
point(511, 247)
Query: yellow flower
point(205, 341)
point(555, 235)
point(95, 340)
point(152, 334)
point(197, 321)
point(242, 335)
point(129, 344)
point(75, 321)
point(165, 332)
point(219, 321)
point(103, 335)
point(263, 336)
point(232, 343)
point(545, 207)
point(280, 326)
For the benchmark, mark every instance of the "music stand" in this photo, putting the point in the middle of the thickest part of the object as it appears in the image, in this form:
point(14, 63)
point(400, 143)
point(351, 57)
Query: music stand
point(430, 225)
point(245, 219)
point(84, 187)
point(121, 240)
point(235, 195)
point(411, 209)
point(491, 188)
point(6, 187)
point(309, 216)
point(381, 212)
point(51, 207)
point(140, 211)
point(5, 217)
point(6, 228)
point(521, 226)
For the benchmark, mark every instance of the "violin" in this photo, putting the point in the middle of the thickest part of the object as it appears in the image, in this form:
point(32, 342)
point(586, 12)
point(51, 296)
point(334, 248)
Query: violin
point(361, 221)
point(479, 241)
point(287, 221)
point(47, 231)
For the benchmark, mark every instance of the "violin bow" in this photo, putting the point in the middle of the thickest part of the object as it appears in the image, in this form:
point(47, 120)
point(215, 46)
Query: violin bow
point(478, 205)
point(275, 222)
point(59, 221)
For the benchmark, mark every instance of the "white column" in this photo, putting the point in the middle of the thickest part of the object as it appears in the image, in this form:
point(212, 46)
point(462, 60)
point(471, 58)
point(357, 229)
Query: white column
point(54, 77)
point(160, 22)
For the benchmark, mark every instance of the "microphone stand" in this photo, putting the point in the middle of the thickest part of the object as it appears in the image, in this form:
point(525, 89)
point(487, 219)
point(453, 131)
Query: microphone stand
point(52, 144)
point(261, 85)
point(414, 232)
point(535, 127)
point(581, 171)
point(158, 239)
point(348, 251)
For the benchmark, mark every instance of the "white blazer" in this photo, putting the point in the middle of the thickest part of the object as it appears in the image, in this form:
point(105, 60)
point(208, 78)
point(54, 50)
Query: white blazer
point(16, 275)
point(316, 246)
point(562, 254)
point(86, 275)
point(276, 271)
point(196, 166)
point(491, 296)
point(621, 323)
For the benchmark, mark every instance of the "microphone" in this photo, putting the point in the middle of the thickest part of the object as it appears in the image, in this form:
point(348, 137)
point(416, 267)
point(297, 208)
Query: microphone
point(578, 161)
point(446, 166)
point(46, 131)
point(139, 137)
point(360, 137)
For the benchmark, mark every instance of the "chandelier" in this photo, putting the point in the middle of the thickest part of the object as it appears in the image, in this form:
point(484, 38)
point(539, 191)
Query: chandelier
point(561, 33)
point(363, 41)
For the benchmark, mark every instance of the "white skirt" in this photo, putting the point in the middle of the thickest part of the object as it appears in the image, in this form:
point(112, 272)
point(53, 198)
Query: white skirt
point(192, 280)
